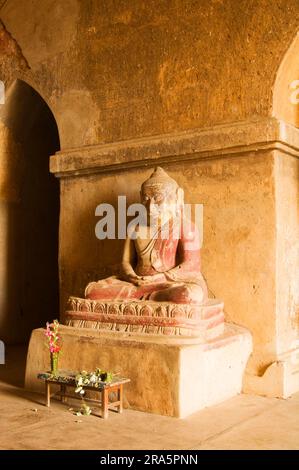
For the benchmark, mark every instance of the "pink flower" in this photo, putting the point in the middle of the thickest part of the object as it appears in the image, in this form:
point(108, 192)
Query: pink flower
point(53, 337)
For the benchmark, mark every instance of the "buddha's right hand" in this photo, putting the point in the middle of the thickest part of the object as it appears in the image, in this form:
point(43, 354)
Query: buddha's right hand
point(133, 278)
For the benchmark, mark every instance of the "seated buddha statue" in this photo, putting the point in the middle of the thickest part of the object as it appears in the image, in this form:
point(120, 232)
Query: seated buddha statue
point(156, 266)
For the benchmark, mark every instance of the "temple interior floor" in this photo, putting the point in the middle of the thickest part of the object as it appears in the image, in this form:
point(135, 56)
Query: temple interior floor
point(244, 422)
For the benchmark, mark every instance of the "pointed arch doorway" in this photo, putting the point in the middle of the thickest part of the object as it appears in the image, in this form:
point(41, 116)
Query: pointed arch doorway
point(29, 214)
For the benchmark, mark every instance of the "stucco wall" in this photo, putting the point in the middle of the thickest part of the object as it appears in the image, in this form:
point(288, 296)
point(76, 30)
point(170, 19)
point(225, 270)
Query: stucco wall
point(116, 70)
point(287, 218)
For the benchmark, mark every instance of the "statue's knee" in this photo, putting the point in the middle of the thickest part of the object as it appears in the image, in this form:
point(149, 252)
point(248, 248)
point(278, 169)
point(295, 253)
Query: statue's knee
point(197, 294)
point(179, 294)
point(185, 293)
point(182, 294)
point(89, 288)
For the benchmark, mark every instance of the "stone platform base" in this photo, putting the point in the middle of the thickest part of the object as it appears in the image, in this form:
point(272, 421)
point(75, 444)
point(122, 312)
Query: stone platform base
point(169, 376)
point(280, 379)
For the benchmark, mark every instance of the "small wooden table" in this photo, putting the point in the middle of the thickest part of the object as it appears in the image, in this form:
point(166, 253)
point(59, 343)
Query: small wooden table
point(67, 379)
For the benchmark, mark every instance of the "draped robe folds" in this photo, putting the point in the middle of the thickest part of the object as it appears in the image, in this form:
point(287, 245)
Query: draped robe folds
point(176, 255)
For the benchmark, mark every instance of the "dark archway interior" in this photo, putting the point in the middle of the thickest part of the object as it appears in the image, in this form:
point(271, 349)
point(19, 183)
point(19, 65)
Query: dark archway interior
point(33, 217)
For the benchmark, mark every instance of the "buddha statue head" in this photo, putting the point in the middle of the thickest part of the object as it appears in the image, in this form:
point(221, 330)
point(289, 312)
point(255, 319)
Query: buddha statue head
point(162, 197)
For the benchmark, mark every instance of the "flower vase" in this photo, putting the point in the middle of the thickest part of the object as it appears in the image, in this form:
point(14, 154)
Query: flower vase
point(54, 363)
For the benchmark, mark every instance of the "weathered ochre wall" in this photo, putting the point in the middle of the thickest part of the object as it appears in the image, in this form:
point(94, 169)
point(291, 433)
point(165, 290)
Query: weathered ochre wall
point(287, 224)
point(117, 70)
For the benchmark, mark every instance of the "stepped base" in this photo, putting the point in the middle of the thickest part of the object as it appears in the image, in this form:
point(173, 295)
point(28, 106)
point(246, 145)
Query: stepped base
point(169, 375)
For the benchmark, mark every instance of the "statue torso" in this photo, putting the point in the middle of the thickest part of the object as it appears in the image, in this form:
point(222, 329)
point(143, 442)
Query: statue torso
point(154, 253)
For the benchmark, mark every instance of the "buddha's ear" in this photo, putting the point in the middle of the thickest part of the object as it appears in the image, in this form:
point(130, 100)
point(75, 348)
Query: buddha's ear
point(180, 196)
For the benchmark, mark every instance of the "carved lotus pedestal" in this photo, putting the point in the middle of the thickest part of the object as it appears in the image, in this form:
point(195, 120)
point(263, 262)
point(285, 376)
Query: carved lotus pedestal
point(180, 359)
point(147, 317)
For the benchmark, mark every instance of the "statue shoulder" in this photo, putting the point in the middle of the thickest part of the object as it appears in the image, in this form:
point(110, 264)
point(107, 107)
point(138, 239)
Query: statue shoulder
point(133, 231)
point(190, 235)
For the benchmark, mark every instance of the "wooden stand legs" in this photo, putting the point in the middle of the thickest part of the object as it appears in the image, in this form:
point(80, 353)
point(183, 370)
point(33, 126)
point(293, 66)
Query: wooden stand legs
point(104, 403)
point(120, 398)
point(47, 393)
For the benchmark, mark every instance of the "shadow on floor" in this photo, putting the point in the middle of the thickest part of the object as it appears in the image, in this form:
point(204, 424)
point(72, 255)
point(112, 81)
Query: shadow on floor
point(13, 371)
point(32, 397)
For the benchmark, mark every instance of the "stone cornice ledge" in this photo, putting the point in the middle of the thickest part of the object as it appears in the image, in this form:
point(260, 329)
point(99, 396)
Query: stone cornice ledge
point(219, 141)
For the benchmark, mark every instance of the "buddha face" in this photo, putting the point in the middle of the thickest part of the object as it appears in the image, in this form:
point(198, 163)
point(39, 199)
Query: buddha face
point(161, 203)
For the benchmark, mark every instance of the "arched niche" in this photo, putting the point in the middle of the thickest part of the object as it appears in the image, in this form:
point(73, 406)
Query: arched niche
point(29, 213)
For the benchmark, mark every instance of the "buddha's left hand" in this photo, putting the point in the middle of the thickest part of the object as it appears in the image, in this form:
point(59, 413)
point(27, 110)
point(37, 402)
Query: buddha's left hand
point(154, 278)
